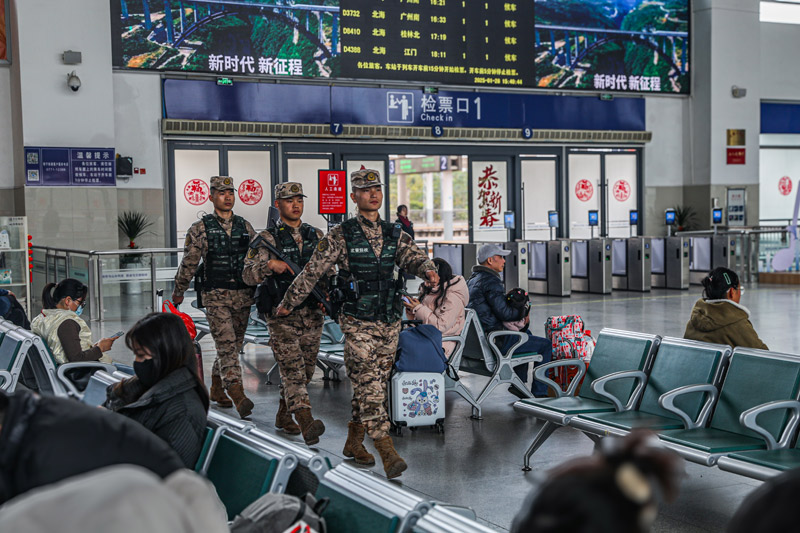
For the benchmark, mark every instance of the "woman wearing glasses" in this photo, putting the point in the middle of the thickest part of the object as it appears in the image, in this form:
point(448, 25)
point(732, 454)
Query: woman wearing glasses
point(61, 326)
point(718, 317)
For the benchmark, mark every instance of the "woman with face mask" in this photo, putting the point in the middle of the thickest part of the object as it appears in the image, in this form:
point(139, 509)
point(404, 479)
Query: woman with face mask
point(61, 326)
point(718, 317)
point(166, 395)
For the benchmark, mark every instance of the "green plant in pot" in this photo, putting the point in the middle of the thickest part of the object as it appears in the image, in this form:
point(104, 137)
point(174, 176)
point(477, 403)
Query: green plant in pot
point(685, 218)
point(132, 224)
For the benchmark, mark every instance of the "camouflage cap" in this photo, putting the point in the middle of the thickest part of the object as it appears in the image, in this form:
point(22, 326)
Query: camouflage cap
point(222, 183)
point(289, 189)
point(361, 179)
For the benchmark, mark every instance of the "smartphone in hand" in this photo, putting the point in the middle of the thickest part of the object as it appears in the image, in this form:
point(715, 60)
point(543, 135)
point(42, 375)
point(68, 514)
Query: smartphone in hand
point(405, 299)
point(117, 335)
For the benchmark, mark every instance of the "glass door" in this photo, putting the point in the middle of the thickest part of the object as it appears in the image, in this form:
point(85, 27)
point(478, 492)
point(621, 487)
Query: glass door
point(621, 193)
point(539, 177)
point(583, 184)
point(304, 168)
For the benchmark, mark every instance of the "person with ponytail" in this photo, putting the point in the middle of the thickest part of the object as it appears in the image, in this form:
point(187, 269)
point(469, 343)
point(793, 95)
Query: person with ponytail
point(166, 395)
point(61, 326)
point(618, 489)
point(441, 306)
point(718, 317)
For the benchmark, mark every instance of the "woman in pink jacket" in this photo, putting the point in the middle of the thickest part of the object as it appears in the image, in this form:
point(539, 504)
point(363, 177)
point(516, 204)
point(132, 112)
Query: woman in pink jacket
point(441, 306)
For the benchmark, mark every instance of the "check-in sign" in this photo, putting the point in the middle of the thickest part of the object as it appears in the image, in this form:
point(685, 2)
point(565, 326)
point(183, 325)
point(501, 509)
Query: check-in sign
point(332, 192)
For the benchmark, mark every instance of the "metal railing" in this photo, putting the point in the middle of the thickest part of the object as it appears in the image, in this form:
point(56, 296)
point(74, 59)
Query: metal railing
point(754, 248)
point(55, 264)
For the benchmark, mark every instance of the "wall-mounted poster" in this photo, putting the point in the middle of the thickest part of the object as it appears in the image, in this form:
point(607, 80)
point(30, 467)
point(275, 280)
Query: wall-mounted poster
point(3, 31)
point(603, 45)
point(613, 45)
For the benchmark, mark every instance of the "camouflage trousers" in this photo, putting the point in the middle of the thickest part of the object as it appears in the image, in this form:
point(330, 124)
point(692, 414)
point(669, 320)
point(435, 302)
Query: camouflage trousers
point(228, 325)
point(369, 352)
point(294, 340)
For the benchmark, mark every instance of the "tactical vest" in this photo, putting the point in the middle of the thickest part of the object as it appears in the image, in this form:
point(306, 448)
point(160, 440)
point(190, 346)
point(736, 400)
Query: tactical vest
point(379, 298)
point(286, 243)
point(224, 261)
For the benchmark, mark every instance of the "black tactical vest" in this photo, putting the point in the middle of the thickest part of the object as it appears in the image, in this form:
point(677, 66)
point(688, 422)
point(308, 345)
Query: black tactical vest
point(286, 243)
point(224, 261)
point(379, 298)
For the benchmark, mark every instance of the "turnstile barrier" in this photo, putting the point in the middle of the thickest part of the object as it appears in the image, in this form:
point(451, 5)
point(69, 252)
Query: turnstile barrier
point(591, 266)
point(631, 264)
point(550, 268)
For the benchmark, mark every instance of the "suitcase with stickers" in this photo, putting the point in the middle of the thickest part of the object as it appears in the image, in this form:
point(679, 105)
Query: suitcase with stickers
point(416, 388)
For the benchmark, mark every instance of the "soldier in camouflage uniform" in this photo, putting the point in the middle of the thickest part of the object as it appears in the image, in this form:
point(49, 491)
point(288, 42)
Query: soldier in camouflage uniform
point(295, 338)
point(367, 248)
point(221, 241)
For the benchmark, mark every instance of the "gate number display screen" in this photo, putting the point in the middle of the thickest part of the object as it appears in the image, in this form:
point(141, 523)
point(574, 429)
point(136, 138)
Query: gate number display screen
point(451, 41)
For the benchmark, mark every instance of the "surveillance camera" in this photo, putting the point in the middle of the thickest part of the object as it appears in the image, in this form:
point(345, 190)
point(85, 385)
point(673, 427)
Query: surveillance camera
point(73, 81)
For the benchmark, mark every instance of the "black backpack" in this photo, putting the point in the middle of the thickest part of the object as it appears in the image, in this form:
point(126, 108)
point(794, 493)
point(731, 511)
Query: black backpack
point(276, 513)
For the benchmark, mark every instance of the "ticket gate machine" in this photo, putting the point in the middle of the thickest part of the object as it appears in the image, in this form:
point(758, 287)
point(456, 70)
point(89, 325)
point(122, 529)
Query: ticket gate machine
point(708, 253)
point(515, 273)
point(591, 266)
point(631, 264)
point(723, 251)
point(461, 256)
point(670, 262)
point(549, 267)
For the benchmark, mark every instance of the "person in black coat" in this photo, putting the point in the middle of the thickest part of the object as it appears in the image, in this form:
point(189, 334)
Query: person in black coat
point(166, 396)
point(44, 440)
point(487, 297)
point(402, 218)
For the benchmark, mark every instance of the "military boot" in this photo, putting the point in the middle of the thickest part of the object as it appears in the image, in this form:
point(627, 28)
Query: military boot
point(354, 447)
point(217, 393)
point(242, 402)
point(393, 464)
point(311, 428)
point(284, 420)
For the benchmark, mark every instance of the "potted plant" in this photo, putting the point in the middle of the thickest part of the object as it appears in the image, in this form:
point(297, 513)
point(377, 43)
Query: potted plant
point(132, 224)
point(685, 218)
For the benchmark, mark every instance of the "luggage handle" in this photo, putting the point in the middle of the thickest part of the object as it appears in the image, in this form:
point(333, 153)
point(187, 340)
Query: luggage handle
point(451, 372)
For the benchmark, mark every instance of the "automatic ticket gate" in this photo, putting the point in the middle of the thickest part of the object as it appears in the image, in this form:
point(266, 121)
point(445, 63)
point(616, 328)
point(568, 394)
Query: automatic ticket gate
point(591, 266)
point(515, 273)
point(461, 256)
point(549, 267)
point(708, 253)
point(670, 262)
point(631, 264)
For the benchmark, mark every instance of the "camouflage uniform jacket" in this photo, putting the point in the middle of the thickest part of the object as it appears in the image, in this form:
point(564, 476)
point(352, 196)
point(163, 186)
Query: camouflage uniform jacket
point(255, 264)
point(195, 248)
point(332, 250)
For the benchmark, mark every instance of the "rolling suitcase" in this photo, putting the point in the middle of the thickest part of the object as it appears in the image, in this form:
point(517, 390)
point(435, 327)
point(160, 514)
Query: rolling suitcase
point(569, 341)
point(416, 388)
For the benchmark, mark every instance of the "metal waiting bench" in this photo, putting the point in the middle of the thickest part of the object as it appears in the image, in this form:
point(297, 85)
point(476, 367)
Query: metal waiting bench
point(442, 519)
point(750, 414)
point(362, 502)
point(475, 353)
point(616, 351)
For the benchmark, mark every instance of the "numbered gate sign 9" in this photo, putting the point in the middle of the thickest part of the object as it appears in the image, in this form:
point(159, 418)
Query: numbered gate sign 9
point(527, 133)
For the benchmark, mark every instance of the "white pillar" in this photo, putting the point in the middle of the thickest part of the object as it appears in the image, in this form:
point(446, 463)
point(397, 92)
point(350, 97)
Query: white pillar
point(447, 204)
point(428, 178)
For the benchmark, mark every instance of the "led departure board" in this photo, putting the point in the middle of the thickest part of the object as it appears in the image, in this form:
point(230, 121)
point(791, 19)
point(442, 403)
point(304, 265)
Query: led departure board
point(447, 41)
point(604, 45)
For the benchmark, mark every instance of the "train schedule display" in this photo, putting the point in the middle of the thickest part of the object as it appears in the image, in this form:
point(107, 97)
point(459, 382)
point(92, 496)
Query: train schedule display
point(602, 45)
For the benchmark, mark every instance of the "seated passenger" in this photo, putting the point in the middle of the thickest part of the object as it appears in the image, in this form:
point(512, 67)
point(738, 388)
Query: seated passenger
point(11, 310)
point(60, 324)
point(618, 489)
point(487, 297)
point(166, 396)
point(441, 306)
point(770, 507)
point(45, 439)
point(718, 317)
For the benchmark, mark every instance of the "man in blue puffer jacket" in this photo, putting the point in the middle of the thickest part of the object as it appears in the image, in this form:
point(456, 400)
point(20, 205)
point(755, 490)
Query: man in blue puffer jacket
point(488, 298)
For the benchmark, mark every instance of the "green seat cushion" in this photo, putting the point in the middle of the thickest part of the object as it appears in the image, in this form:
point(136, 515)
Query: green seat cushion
point(569, 405)
point(629, 420)
point(614, 353)
point(712, 440)
point(777, 459)
point(241, 474)
point(209, 436)
point(346, 514)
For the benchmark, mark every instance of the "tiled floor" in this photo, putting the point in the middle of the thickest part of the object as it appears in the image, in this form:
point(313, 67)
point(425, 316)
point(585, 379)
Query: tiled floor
point(478, 463)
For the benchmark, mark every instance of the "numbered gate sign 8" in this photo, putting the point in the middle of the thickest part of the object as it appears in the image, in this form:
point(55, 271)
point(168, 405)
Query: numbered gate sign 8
point(437, 131)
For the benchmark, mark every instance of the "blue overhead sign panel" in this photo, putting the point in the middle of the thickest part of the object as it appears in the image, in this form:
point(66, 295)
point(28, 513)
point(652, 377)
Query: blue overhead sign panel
point(259, 102)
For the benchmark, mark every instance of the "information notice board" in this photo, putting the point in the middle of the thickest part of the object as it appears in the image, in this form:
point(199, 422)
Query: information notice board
point(637, 46)
point(487, 43)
